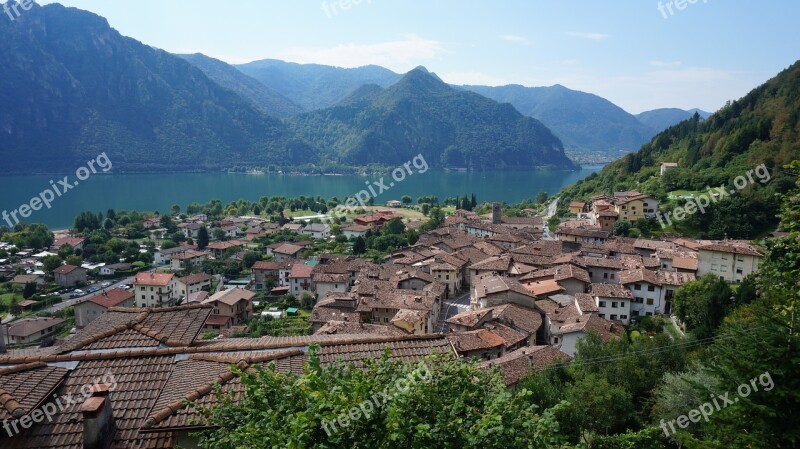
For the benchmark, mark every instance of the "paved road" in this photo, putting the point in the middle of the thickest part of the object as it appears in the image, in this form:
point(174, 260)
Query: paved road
point(451, 308)
point(68, 302)
point(552, 208)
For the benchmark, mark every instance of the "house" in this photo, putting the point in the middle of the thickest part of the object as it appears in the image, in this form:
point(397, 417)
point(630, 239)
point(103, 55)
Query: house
point(576, 207)
point(69, 275)
point(730, 260)
point(571, 333)
point(233, 306)
point(317, 230)
point(375, 220)
point(583, 235)
point(218, 249)
point(573, 279)
point(193, 283)
point(191, 229)
point(325, 283)
point(671, 281)
point(394, 203)
point(666, 166)
point(22, 279)
point(646, 288)
point(164, 256)
point(74, 242)
point(613, 301)
point(293, 227)
point(300, 279)
point(188, 260)
point(155, 289)
point(111, 270)
point(30, 330)
point(519, 364)
point(265, 274)
point(355, 231)
point(89, 309)
point(286, 251)
point(492, 290)
point(635, 206)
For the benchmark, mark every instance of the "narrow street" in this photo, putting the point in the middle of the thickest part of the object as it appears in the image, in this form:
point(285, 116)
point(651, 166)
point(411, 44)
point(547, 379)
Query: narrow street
point(451, 308)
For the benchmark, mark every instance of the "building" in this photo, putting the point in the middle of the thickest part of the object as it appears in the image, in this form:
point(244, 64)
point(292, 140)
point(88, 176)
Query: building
point(188, 260)
point(232, 306)
point(646, 288)
point(730, 260)
point(218, 249)
point(613, 302)
point(286, 251)
point(111, 270)
point(394, 203)
point(265, 275)
point(576, 207)
point(317, 230)
point(155, 289)
point(74, 242)
point(70, 276)
point(300, 279)
point(355, 231)
point(30, 330)
point(666, 166)
point(193, 283)
point(88, 310)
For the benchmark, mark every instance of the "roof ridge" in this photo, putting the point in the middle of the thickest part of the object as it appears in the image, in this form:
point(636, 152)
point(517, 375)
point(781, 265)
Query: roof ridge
point(160, 309)
point(11, 404)
point(20, 368)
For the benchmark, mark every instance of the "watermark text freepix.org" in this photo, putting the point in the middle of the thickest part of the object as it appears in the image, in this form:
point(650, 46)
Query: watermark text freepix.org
point(10, 7)
point(58, 404)
point(380, 186)
point(718, 402)
point(56, 190)
point(680, 5)
point(332, 8)
point(367, 407)
point(701, 201)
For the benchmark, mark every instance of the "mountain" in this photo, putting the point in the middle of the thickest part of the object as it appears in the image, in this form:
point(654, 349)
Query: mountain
point(73, 87)
point(586, 123)
point(227, 76)
point(661, 119)
point(761, 128)
point(315, 86)
point(421, 114)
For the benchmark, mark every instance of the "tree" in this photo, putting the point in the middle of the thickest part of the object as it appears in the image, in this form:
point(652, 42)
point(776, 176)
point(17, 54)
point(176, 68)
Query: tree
point(703, 304)
point(542, 197)
point(202, 237)
point(50, 263)
point(406, 200)
point(175, 210)
point(76, 261)
point(307, 300)
point(250, 258)
point(439, 402)
point(256, 210)
point(394, 226)
point(553, 223)
point(219, 234)
point(29, 290)
point(622, 228)
point(359, 246)
point(426, 208)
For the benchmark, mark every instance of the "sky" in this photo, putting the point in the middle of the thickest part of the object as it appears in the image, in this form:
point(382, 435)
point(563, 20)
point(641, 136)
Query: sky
point(640, 54)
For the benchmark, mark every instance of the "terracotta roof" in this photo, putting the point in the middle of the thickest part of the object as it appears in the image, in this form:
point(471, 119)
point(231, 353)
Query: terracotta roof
point(154, 279)
point(674, 278)
point(29, 326)
point(65, 269)
point(23, 388)
point(731, 247)
point(519, 317)
point(586, 303)
point(470, 318)
point(301, 271)
point(481, 339)
point(639, 275)
point(610, 291)
point(231, 296)
point(518, 364)
point(265, 265)
point(195, 279)
point(593, 323)
point(288, 249)
point(111, 298)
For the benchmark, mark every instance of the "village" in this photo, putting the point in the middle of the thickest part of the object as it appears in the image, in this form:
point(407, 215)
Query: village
point(503, 290)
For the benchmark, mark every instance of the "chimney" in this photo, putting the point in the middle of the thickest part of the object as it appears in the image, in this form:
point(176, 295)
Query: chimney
point(3, 335)
point(497, 217)
point(98, 419)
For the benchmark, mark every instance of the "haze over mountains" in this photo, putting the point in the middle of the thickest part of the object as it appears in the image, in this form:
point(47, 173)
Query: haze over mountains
point(73, 87)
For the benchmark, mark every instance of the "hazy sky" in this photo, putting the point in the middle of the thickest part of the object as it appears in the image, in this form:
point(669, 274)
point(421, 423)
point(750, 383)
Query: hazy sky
point(629, 51)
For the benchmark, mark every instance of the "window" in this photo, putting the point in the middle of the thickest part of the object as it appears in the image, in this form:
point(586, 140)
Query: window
point(637, 287)
point(612, 275)
point(605, 275)
point(714, 267)
point(649, 301)
point(738, 271)
point(613, 317)
point(602, 304)
point(651, 288)
point(614, 305)
point(623, 317)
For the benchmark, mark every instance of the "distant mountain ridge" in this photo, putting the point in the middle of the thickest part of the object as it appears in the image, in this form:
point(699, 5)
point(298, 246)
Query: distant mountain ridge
point(661, 119)
point(315, 86)
point(584, 122)
point(422, 114)
point(259, 94)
